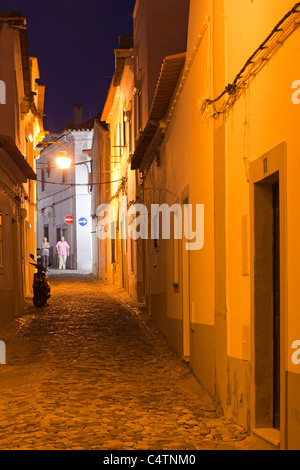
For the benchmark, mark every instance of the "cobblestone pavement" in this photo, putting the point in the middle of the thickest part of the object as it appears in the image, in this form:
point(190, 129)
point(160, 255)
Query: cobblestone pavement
point(91, 371)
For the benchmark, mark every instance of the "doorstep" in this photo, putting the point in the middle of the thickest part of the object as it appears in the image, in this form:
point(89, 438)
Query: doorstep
point(271, 435)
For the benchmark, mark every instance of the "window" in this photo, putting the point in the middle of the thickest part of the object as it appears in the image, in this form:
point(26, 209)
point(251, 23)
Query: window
point(130, 137)
point(43, 180)
point(113, 251)
point(138, 101)
point(176, 248)
point(119, 143)
point(1, 240)
point(124, 130)
point(113, 243)
point(139, 98)
point(131, 255)
point(157, 225)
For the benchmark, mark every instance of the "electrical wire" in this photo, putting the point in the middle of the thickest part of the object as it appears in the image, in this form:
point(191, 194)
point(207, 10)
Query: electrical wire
point(53, 165)
point(79, 184)
point(52, 194)
point(163, 189)
point(233, 89)
point(263, 44)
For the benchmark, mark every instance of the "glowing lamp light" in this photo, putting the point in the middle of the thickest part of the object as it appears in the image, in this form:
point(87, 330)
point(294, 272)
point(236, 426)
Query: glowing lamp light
point(63, 161)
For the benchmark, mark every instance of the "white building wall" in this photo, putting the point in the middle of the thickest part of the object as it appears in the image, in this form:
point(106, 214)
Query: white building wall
point(83, 141)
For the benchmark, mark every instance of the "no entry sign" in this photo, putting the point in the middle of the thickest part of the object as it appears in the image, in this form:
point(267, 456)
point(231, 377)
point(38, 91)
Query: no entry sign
point(69, 219)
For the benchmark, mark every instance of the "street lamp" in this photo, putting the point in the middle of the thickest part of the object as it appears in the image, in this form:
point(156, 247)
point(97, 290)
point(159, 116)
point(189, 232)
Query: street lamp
point(63, 161)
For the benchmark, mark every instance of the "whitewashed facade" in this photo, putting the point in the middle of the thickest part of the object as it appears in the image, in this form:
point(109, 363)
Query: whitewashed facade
point(62, 193)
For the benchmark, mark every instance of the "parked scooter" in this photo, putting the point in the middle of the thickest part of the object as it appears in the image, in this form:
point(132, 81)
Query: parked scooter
point(41, 286)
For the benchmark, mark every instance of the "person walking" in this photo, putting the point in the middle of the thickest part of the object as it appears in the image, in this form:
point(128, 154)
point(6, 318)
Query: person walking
point(63, 251)
point(45, 252)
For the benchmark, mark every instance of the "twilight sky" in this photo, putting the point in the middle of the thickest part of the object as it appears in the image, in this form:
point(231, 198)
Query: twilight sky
point(74, 42)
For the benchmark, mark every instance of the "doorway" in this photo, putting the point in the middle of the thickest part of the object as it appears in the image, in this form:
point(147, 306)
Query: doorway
point(268, 280)
point(18, 291)
point(276, 306)
point(267, 301)
point(186, 296)
point(46, 232)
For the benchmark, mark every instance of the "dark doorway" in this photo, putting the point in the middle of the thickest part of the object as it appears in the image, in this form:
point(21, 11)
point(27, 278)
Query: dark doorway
point(267, 301)
point(276, 307)
point(186, 314)
point(16, 280)
point(46, 232)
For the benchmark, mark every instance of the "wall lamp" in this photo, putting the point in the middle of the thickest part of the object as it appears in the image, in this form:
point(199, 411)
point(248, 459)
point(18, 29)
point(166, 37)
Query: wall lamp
point(62, 161)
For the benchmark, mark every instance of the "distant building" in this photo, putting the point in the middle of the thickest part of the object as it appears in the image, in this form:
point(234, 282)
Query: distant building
point(67, 192)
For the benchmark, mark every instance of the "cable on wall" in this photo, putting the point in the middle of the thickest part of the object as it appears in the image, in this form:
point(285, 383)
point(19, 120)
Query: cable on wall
point(262, 55)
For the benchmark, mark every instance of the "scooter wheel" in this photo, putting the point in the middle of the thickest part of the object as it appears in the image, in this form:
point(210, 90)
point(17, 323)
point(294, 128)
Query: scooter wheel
point(39, 301)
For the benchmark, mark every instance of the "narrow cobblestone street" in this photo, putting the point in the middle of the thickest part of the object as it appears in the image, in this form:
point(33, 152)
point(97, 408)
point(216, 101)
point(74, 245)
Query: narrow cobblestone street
point(91, 371)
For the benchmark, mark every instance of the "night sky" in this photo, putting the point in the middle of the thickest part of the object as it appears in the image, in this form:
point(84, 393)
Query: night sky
point(74, 42)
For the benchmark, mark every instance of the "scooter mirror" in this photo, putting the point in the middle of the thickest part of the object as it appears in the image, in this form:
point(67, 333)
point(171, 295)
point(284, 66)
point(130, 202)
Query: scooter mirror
point(31, 256)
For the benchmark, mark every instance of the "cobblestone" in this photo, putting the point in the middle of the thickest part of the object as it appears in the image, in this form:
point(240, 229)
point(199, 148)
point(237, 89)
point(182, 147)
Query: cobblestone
point(91, 371)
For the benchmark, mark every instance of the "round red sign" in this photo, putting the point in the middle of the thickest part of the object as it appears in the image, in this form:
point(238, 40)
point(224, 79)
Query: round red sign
point(69, 219)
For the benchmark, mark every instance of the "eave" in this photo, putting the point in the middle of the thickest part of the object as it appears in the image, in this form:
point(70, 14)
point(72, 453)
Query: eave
point(23, 169)
point(165, 88)
point(109, 101)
